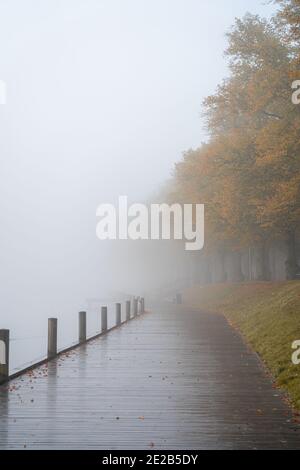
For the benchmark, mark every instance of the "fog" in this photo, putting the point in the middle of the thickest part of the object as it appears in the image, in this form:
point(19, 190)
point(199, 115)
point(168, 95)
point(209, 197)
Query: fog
point(103, 96)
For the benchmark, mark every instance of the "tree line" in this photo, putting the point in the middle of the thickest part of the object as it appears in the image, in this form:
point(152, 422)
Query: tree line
point(248, 172)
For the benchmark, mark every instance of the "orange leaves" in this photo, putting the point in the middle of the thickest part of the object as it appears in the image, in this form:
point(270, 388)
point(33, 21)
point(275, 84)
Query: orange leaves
point(247, 174)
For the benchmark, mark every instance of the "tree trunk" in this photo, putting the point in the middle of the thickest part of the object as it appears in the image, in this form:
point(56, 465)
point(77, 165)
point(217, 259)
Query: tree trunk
point(207, 275)
point(266, 271)
point(236, 267)
point(223, 273)
point(292, 268)
point(239, 272)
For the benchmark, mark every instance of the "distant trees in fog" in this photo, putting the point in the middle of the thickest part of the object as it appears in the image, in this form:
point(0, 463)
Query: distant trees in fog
point(248, 173)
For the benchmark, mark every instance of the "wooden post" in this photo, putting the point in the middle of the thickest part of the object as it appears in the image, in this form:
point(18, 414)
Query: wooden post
point(118, 315)
point(128, 310)
point(142, 305)
point(104, 319)
point(52, 338)
point(135, 307)
point(4, 355)
point(82, 327)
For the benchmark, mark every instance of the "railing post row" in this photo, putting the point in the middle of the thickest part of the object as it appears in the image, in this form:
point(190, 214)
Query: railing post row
point(53, 333)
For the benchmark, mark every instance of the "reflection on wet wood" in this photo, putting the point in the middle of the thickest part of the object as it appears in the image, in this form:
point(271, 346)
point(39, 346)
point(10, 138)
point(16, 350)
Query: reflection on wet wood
point(173, 379)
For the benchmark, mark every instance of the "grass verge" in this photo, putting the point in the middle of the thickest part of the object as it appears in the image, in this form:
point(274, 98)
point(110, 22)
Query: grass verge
point(268, 316)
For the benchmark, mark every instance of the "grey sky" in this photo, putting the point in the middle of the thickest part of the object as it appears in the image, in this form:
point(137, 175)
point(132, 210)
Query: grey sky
point(115, 82)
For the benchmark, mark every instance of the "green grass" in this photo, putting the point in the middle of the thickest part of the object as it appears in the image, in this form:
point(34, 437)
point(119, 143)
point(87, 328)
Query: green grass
point(268, 316)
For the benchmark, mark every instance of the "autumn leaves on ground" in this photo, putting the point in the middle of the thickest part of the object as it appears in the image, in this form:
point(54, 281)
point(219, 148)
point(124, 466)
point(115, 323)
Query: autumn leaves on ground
point(268, 317)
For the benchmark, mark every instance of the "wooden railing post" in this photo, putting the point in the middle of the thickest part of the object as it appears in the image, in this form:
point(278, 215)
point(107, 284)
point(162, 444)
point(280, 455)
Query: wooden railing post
point(118, 314)
point(135, 307)
point(52, 338)
point(82, 327)
point(142, 305)
point(104, 319)
point(4, 355)
point(128, 310)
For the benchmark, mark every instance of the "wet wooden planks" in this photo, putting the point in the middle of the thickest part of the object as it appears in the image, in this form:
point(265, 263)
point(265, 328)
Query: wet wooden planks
point(172, 379)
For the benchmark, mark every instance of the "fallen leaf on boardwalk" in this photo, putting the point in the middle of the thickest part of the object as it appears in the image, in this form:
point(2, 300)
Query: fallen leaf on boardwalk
point(259, 412)
point(142, 418)
point(152, 444)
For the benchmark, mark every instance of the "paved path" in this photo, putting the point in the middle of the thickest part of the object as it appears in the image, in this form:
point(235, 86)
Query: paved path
point(172, 379)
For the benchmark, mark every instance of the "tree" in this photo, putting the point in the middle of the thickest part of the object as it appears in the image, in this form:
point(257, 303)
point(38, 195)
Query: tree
point(289, 16)
point(248, 173)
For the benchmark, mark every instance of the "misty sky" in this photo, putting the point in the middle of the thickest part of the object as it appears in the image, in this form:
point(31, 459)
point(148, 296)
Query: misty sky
point(103, 98)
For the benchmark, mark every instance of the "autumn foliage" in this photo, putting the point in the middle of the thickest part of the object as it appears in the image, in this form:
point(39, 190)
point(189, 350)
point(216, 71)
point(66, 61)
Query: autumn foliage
point(248, 173)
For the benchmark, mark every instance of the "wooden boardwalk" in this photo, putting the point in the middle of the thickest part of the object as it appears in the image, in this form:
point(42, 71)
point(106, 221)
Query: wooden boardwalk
point(171, 379)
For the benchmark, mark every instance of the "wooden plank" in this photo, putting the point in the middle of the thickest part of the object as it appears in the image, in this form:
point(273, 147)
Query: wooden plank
point(172, 379)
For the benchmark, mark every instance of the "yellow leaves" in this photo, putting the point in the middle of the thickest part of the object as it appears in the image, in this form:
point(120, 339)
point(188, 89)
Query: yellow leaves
point(247, 174)
point(283, 205)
